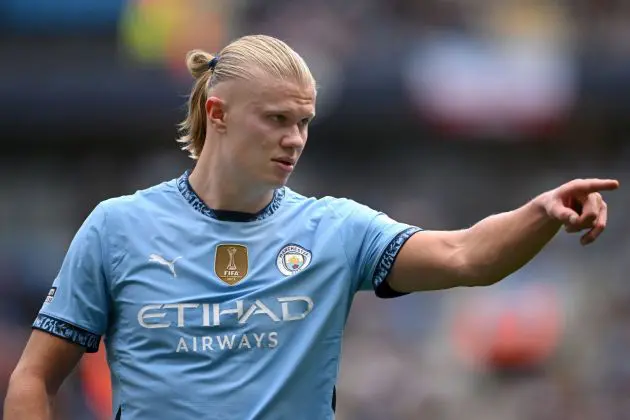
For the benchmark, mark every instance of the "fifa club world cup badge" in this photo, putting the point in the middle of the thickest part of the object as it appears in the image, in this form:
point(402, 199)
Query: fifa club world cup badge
point(231, 263)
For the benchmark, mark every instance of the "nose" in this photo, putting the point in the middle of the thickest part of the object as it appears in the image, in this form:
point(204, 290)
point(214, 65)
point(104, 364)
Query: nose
point(296, 139)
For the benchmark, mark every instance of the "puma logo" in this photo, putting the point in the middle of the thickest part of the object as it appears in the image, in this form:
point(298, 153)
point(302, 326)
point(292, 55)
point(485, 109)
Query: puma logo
point(162, 261)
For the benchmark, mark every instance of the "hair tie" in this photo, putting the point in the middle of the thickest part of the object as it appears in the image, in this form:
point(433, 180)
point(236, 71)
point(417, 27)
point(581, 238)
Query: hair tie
point(213, 63)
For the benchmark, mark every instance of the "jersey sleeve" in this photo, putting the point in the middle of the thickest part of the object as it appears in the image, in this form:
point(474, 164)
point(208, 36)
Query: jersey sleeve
point(372, 241)
point(77, 306)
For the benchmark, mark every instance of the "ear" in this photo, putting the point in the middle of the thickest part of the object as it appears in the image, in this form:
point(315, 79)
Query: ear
point(215, 112)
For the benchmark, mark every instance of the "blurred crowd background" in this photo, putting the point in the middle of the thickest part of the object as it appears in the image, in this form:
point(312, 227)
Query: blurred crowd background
point(438, 112)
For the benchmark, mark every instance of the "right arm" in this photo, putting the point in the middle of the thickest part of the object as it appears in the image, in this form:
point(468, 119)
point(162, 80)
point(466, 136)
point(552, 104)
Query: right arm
point(45, 364)
point(71, 322)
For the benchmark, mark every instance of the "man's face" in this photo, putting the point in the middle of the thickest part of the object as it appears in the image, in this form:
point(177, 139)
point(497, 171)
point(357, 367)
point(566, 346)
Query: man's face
point(266, 128)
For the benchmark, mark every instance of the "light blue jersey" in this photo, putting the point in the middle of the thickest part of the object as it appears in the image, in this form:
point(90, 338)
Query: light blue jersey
point(220, 315)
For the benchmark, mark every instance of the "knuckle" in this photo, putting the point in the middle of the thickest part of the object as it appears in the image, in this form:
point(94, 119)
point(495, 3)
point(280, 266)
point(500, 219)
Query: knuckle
point(571, 183)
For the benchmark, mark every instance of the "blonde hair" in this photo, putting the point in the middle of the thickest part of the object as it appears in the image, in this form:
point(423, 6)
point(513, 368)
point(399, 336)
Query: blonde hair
point(244, 58)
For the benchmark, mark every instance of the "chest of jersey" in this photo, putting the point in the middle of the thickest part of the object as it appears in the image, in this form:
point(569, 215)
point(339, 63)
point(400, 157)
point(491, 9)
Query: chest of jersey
point(228, 287)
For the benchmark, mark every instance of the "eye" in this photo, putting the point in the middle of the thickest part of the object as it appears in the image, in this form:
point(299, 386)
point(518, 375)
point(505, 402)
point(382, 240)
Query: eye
point(279, 118)
point(305, 121)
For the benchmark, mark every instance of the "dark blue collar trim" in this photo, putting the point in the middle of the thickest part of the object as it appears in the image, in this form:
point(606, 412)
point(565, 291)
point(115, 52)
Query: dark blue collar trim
point(183, 184)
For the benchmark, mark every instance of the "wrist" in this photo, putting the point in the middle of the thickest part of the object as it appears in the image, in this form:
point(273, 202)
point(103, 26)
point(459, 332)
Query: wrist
point(540, 209)
point(539, 204)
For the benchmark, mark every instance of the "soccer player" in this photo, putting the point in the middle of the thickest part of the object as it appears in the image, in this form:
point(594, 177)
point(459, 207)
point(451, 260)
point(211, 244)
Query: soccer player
point(223, 294)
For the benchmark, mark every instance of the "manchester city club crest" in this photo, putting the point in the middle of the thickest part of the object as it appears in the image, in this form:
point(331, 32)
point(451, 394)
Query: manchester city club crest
point(293, 259)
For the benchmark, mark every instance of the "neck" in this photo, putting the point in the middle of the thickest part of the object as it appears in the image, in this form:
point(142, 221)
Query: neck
point(208, 181)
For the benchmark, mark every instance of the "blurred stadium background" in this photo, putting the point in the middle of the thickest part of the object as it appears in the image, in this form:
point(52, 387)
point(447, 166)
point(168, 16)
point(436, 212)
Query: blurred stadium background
point(438, 112)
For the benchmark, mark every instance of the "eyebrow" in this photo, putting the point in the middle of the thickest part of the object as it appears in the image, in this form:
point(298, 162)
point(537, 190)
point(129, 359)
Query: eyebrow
point(281, 110)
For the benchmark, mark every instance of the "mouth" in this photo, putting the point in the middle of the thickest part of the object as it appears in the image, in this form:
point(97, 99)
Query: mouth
point(286, 164)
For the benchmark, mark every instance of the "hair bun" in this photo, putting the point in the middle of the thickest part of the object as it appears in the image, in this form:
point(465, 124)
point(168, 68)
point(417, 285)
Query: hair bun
point(197, 62)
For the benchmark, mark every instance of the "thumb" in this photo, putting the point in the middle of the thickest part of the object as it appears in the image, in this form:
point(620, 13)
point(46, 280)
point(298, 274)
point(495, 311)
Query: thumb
point(565, 215)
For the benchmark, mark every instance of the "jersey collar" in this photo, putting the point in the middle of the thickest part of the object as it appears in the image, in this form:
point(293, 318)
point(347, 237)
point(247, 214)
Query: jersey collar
point(183, 184)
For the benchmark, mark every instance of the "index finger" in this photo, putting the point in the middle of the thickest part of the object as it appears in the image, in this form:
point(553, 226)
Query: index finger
point(586, 186)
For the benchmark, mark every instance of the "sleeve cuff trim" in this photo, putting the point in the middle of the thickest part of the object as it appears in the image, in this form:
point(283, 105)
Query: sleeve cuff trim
point(386, 262)
point(67, 331)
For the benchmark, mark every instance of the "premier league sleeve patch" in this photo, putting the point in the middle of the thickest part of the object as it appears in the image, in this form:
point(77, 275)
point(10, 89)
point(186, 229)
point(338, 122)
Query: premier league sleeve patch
point(292, 259)
point(51, 295)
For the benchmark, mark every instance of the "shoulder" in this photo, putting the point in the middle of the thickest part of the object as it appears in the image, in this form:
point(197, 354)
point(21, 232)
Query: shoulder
point(151, 196)
point(149, 199)
point(334, 207)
